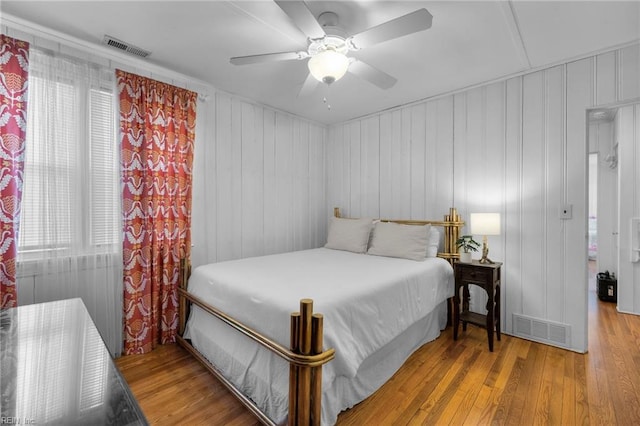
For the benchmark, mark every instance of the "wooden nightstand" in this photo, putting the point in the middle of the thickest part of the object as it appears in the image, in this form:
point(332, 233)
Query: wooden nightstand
point(486, 276)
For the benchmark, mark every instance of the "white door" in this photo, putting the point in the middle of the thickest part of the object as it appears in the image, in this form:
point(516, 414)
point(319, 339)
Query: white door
point(627, 134)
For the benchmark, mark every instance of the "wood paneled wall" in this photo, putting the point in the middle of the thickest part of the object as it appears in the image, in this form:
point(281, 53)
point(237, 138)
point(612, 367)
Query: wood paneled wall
point(259, 181)
point(518, 147)
point(393, 165)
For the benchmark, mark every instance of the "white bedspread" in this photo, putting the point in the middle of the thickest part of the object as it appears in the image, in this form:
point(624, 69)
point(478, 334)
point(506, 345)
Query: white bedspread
point(367, 301)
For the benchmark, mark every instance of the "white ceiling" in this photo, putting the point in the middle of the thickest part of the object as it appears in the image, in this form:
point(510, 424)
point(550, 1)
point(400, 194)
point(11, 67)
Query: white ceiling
point(469, 43)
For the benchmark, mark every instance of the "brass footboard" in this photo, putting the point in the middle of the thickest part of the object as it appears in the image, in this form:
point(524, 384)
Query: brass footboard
point(305, 355)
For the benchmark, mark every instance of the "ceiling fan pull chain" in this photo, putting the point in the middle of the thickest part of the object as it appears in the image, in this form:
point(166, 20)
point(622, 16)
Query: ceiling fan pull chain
point(325, 99)
point(326, 102)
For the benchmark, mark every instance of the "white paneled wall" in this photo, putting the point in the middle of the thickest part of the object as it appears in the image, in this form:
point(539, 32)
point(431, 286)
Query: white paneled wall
point(543, 192)
point(393, 165)
point(259, 181)
point(517, 147)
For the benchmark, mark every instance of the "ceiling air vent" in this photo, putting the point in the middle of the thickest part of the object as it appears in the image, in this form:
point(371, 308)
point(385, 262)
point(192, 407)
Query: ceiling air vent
point(126, 47)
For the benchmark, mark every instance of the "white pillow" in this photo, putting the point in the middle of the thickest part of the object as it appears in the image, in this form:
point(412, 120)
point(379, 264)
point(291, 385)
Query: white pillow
point(395, 240)
point(434, 242)
point(349, 234)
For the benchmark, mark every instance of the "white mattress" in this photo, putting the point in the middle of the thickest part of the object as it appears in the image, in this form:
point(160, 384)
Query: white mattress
point(370, 304)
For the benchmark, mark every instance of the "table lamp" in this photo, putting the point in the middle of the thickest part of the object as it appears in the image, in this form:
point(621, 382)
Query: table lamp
point(485, 224)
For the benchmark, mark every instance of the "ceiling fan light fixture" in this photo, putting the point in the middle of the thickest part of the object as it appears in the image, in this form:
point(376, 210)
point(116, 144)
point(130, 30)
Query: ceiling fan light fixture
point(328, 66)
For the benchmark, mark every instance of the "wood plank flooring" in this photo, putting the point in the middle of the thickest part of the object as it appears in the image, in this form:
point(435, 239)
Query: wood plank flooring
point(444, 382)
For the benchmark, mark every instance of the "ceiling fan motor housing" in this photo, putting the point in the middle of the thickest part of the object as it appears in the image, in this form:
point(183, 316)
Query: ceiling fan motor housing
point(333, 40)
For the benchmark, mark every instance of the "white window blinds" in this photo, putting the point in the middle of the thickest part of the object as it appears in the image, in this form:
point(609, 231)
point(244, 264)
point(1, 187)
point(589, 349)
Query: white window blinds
point(71, 181)
point(103, 193)
point(50, 166)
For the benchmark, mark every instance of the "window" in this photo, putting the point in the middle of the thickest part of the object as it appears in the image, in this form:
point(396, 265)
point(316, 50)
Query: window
point(103, 176)
point(70, 198)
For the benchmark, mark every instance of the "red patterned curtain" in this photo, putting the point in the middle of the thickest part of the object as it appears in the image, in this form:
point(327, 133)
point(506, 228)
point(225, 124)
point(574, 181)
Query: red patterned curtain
point(157, 129)
point(14, 64)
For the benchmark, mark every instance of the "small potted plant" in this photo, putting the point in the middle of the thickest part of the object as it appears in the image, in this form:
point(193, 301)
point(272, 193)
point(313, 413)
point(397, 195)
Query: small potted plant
point(468, 245)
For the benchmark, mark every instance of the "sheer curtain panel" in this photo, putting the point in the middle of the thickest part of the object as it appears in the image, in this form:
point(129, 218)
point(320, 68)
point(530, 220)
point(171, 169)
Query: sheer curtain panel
point(70, 239)
point(157, 130)
point(14, 63)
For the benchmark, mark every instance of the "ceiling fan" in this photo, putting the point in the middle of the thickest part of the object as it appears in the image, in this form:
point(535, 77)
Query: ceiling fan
point(328, 45)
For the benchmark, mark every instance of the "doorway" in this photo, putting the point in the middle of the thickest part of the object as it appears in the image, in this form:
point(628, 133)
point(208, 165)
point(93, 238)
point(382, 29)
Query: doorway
point(603, 194)
point(614, 179)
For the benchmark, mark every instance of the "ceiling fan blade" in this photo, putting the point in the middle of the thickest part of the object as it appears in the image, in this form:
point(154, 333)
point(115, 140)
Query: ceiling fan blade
point(410, 23)
point(308, 86)
point(267, 57)
point(302, 17)
point(372, 75)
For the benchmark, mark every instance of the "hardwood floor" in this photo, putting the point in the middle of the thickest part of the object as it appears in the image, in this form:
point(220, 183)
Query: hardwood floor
point(444, 382)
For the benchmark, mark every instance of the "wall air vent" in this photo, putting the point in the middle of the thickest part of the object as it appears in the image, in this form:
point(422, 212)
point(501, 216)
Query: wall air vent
point(125, 47)
point(543, 331)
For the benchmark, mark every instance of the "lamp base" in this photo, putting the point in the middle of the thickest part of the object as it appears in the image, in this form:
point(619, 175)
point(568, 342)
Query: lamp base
point(485, 253)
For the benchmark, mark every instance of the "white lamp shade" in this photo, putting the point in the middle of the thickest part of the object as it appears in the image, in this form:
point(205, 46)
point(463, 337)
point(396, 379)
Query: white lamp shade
point(328, 66)
point(485, 223)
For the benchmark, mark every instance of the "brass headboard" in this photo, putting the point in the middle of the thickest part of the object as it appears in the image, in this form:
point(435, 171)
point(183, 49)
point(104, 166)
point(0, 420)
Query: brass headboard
point(452, 225)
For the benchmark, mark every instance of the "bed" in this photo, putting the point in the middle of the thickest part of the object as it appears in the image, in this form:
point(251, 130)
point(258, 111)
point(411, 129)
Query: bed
point(377, 310)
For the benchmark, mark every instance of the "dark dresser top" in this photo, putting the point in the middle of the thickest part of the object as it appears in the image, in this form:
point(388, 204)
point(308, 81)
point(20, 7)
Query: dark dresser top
point(56, 370)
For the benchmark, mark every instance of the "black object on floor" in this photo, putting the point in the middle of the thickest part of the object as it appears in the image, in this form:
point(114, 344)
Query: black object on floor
point(607, 287)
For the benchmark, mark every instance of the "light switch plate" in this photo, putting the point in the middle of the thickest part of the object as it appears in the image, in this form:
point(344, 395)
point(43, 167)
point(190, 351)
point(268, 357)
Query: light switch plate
point(565, 211)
